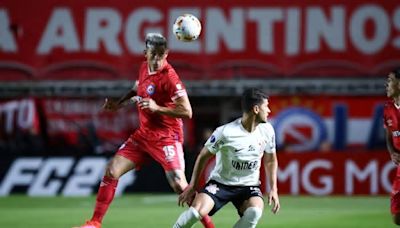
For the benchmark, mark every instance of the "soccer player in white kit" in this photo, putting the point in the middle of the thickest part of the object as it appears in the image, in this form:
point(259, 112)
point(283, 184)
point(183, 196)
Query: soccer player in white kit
point(239, 147)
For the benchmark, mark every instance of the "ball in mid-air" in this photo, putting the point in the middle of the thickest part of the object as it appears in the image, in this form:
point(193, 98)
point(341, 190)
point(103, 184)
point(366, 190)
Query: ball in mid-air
point(187, 28)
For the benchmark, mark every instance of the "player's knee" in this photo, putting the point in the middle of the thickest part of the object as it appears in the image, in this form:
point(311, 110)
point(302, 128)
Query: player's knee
point(176, 181)
point(177, 187)
point(112, 171)
point(252, 214)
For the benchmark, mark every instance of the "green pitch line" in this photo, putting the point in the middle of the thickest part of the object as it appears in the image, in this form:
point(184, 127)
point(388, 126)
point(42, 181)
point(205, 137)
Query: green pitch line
point(161, 211)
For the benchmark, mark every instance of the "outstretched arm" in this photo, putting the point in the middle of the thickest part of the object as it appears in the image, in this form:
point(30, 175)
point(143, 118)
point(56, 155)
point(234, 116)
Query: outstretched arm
point(394, 154)
point(114, 105)
point(201, 161)
point(271, 169)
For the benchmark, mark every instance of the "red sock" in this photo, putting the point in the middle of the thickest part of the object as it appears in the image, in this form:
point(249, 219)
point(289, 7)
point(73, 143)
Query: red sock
point(104, 198)
point(207, 222)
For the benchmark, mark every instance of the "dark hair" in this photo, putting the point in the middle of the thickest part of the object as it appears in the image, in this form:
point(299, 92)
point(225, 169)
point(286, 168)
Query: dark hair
point(251, 97)
point(396, 72)
point(156, 40)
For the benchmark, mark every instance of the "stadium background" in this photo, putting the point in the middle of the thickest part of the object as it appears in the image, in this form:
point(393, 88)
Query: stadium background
point(324, 64)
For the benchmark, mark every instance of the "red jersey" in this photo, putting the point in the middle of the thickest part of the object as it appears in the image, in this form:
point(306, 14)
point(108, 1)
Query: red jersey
point(391, 115)
point(163, 87)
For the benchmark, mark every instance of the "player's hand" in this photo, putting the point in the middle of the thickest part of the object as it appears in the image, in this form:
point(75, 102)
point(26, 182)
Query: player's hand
point(395, 157)
point(148, 103)
point(186, 196)
point(273, 200)
point(111, 105)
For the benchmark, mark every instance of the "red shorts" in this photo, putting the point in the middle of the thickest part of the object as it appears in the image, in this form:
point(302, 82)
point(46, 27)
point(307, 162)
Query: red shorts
point(140, 151)
point(395, 196)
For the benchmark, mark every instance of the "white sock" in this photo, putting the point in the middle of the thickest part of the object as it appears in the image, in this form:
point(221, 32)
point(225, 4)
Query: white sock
point(250, 218)
point(187, 219)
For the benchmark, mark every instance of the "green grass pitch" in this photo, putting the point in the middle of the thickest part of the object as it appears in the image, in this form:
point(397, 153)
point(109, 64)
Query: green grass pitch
point(138, 210)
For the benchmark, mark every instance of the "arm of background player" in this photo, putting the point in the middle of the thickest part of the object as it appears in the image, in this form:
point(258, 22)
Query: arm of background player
point(199, 165)
point(271, 169)
point(394, 154)
point(182, 108)
point(113, 105)
point(201, 161)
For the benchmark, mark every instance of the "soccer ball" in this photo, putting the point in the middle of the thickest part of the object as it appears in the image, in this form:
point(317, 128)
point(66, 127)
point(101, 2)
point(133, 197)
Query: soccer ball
point(187, 28)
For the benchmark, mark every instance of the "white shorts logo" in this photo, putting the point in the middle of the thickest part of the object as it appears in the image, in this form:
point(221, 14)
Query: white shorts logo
point(212, 188)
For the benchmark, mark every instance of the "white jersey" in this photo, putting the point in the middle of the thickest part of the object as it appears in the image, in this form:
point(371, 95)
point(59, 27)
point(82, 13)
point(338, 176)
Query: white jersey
point(239, 152)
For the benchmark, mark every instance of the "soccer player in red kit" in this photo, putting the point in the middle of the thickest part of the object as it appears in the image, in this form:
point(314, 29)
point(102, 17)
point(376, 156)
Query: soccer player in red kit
point(162, 101)
point(391, 117)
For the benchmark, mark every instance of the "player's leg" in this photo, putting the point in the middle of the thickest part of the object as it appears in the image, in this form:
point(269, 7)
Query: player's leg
point(250, 209)
point(395, 200)
point(177, 180)
point(199, 209)
point(117, 167)
point(206, 203)
point(171, 158)
point(127, 158)
point(396, 219)
point(395, 207)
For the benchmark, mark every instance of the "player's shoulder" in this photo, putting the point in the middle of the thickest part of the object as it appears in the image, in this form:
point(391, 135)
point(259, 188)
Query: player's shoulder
point(266, 128)
point(143, 66)
point(169, 70)
point(230, 127)
point(389, 107)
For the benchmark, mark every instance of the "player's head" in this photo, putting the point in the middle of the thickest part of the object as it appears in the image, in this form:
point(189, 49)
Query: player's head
point(393, 83)
point(156, 50)
point(255, 101)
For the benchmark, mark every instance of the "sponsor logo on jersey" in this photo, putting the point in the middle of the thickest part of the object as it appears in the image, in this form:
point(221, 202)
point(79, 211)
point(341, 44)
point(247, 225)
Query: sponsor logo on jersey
point(396, 133)
point(247, 165)
point(151, 89)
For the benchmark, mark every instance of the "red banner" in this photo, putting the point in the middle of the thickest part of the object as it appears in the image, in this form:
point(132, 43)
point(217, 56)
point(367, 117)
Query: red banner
point(82, 122)
point(104, 40)
point(334, 173)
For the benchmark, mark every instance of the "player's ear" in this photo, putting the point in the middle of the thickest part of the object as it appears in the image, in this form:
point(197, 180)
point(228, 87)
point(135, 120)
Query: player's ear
point(166, 53)
point(256, 109)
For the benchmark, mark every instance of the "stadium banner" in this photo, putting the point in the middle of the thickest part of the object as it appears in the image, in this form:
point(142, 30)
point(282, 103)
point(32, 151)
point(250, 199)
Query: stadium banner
point(82, 123)
point(314, 173)
point(76, 126)
point(33, 126)
point(17, 117)
point(95, 39)
point(306, 123)
point(324, 123)
point(329, 173)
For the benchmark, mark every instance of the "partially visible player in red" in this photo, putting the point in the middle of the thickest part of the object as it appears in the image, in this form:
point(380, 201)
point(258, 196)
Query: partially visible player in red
point(162, 101)
point(391, 117)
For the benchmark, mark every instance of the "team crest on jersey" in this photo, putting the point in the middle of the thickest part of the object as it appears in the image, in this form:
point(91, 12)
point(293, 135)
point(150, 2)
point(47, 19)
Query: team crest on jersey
point(389, 122)
point(151, 89)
